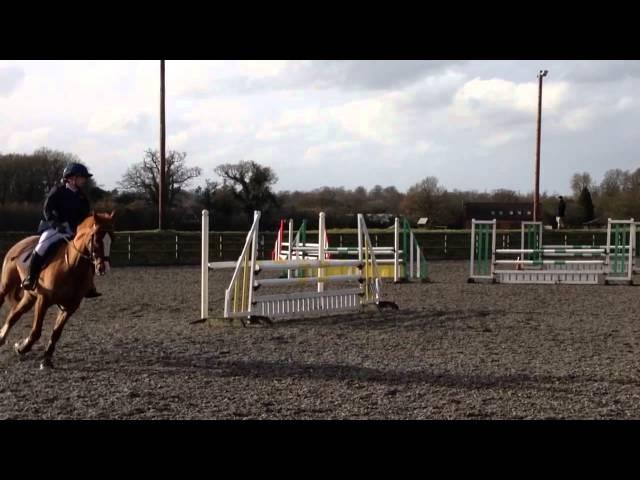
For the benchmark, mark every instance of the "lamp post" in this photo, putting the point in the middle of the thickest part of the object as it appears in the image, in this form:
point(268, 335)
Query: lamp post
point(536, 197)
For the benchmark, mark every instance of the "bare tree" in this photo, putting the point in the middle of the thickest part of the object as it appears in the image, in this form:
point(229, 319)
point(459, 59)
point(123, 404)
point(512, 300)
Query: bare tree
point(144, 177)
point(423, 198)
point(579, 182)
point(251, 183)
point(614, 181)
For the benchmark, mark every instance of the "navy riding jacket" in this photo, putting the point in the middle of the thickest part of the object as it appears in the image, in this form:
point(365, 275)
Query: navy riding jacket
point(64, 205)
point(561, 208)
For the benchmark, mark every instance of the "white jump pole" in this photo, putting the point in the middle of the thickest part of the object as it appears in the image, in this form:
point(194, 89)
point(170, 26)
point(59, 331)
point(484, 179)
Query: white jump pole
point(254, 258)
point(290, 245)
point(360, 241)
point(396, 253)
point(608, 263)
point(473, 245)
point(204, 280)
point(321, 231)
point(632, 236)
point(493, 247)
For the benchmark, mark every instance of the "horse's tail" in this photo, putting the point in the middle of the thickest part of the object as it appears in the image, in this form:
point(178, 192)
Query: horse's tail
point(3, 279)
point(9, 279)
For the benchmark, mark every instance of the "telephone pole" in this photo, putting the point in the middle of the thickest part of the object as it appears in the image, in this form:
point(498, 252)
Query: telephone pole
point(161, 189)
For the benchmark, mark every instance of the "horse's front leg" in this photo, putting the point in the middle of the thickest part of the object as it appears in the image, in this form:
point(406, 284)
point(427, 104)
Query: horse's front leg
point(36, 329)
point(63, 316)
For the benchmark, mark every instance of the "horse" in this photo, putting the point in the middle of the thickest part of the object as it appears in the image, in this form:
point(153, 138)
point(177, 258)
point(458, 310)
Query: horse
point(64, 280)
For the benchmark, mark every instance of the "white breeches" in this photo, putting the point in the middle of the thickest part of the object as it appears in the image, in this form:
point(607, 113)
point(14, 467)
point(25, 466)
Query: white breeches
point(48, 238)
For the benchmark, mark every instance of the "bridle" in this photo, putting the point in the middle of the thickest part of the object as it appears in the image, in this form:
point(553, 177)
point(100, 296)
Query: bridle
point(92, 257)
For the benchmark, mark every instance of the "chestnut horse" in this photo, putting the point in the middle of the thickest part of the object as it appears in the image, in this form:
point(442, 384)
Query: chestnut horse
point(64, 280)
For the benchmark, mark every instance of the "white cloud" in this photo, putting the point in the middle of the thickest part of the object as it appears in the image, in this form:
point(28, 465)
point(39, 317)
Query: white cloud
point(624, 103)
point(478, 97)
point(217, 116)
point(603, 71)
point(424, 147)
point(10, 79)
point(29, 140)
point(178, 141)
point(117, 121)
point(263, 68)
point(400, 120)
point(316, 153)
point(375, 119)
point(578, 119)
point(500, 138)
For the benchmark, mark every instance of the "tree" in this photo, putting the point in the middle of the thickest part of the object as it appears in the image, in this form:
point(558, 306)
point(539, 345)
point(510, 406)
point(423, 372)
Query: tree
point(424, 199)
point(206, 194)
point(586, 205)
point(53, 163)
point(579, 182)
point(251, 184)
point(144, 177)
point(505, 195)
point(27, 178)
point(384, 200)
point(614, 181)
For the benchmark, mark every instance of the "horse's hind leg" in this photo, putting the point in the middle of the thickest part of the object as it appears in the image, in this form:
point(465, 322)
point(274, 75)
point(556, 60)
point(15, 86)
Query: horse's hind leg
point(36, 329)
point(55, 336)
point(15, 313)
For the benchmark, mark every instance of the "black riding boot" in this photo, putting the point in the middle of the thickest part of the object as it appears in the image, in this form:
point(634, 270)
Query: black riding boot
point(93, 293)
point(35, 265)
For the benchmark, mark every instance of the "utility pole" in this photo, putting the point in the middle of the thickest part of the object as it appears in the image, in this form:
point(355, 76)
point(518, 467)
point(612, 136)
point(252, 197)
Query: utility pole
point(536, 195)
point(161, 189)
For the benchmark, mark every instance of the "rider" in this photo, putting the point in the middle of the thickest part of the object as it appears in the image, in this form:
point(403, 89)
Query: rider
point(65, 208)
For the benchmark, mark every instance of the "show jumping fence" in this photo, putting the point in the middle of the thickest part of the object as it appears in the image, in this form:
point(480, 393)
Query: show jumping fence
point(538, 263)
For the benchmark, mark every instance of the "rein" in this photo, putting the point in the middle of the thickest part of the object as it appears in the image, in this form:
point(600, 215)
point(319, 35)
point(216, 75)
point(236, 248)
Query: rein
point(89, 257)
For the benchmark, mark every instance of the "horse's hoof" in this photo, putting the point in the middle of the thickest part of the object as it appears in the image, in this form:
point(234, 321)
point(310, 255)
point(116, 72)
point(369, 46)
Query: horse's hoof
point(16, 348)
point(46, 364)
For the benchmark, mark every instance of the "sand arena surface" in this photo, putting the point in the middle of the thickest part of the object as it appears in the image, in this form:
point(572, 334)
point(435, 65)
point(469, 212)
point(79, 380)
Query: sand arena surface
point(453, 351)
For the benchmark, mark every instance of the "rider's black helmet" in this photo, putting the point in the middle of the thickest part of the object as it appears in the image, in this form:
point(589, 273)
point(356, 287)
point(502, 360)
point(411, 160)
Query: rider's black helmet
point(76, 169)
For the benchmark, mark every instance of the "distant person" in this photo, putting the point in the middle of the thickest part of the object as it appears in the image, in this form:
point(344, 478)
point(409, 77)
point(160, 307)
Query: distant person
point(561, 209)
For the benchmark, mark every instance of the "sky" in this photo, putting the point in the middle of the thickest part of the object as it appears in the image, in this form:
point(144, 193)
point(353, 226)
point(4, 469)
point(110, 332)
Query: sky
point(337, 123)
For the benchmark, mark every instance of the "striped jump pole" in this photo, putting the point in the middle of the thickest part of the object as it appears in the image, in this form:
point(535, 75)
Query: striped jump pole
point(483, 247)
point(620, 250)
point(531, 238)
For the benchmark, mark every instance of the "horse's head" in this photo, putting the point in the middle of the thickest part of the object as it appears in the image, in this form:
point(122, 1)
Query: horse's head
point(98, 230)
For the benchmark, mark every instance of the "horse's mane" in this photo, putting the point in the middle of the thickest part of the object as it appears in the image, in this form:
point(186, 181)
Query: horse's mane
point(100, 219)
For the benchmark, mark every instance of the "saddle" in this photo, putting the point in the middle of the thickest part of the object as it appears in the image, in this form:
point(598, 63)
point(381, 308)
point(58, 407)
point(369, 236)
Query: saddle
point(22, 261)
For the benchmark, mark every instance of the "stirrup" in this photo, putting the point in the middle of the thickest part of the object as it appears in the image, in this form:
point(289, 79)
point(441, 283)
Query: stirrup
point(28, 284)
